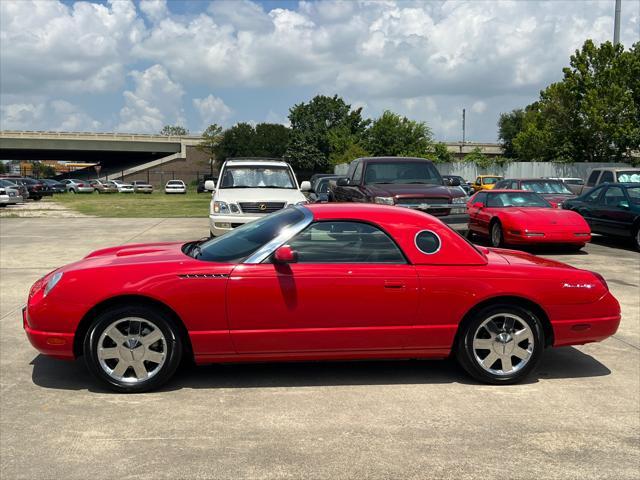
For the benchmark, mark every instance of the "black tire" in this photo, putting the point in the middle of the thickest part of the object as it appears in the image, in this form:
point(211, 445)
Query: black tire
point(2, 205)
point(636, 237)
point(36, 199)
point(471, 363)
point(498, 240)
point(173, 344)
point(72, 190)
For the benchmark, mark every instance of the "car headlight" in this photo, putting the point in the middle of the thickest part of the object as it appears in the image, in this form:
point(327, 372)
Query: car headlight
point(53, 281)
point(458, 200)
point(221, 207)
point(384, 200)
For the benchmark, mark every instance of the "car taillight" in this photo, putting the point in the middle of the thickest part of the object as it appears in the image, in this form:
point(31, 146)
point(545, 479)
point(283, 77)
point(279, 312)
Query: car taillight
point(81, 184)
point(602, 280)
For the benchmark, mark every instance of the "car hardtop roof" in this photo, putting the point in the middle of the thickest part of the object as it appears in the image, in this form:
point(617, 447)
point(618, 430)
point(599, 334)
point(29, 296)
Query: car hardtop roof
point(618, 169)
point(392, 159)
point(487, 175)
point(370, 211)
point(533, 179)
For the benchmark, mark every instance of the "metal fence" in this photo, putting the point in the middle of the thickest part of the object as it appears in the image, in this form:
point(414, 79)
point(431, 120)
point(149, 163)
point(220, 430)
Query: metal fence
point(469, 171)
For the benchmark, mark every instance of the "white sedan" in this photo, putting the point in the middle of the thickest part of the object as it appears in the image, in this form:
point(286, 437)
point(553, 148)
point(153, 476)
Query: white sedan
point(122, 186)
point(175, 186)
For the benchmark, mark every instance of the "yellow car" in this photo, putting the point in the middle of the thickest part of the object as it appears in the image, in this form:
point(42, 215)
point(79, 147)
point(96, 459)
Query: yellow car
point(485, 182)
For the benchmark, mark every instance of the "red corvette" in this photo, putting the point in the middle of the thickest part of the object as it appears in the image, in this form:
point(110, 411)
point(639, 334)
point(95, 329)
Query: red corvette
point(516, 217)
point(315, 282)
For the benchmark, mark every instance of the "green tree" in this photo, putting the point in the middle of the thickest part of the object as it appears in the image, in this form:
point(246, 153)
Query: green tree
point(440, 153)
point(270, 140)
point(592, 115)
point(509, 125)
point(174, 130)
point(477, 157)
point(236, 141)
point(394, 135)
point(303, 155)
point(3, 168)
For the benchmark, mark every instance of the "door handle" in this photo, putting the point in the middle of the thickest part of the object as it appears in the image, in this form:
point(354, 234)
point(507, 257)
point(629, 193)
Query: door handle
point(393, 285)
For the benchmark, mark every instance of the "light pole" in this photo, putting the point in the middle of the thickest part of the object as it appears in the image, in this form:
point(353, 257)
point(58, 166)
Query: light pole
point(616, 23)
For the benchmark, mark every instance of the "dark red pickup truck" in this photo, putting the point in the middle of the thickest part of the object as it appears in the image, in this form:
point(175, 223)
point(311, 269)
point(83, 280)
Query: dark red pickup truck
point(402, 181)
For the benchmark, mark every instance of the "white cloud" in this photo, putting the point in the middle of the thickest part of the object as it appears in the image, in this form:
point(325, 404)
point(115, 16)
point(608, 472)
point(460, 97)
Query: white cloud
point(155, 101)
point(55, 115)
point(479, 107)
point(212, 110)
point(155, 10)
point(20, 116)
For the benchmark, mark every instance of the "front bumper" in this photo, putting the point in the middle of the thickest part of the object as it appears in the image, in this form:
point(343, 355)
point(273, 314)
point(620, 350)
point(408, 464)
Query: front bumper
point(567, 238)
point(221, 224)
point(54, 344)
point(84, 189)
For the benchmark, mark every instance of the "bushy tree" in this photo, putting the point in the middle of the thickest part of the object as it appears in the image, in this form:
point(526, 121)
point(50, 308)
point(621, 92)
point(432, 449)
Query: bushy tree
point(440, 153)
point(236, 141)
point(270, 140)
point(174, 130)
point(211, 137)
point(592, 115)
point(477, 157)
point(303, 155)
point(509, 126)
point(394, 135)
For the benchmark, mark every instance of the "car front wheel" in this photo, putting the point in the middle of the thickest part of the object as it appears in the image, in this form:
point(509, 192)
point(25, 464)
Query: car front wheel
point(501, 344)
point(132, 349)
point(497, 238)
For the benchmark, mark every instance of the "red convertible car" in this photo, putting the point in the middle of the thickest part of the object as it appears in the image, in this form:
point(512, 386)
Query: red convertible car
point(516, 217)
point(315, 282)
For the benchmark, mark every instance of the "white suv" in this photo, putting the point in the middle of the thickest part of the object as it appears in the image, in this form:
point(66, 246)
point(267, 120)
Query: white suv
point(249, 189)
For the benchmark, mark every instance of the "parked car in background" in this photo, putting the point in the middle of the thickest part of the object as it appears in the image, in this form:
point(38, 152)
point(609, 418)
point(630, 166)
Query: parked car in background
point(315, 282)
point(319, 188)
point(103, 186)
point(22, 189)
point(37, 189)
point(77, 186)
point(611, 209)
point(123, 187)
point(250, 188)
point(553, 191)
point(175, 186)
point(401, 181)
point(573, 183)
point(54, 185)
point(140, 186)
point(9, 196)
point(485, 182)
point(458, 181)
point(599, 176)
point(201, 183)
point(510, 217)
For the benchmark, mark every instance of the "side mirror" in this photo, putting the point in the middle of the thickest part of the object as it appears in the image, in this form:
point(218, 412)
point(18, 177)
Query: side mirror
point(624, 204)
point(343, 182)
point(454, 182)
point(305, 186)
point(285, 254)
point(478, 205)
point(209, 185)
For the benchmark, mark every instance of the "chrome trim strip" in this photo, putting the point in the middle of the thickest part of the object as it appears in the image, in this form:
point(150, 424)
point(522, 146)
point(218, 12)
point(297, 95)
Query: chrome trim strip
point(415, 242)
point(435, 206)
point(286, 234)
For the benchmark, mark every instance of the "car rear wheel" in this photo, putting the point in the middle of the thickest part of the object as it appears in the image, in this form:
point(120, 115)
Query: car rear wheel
point(132, 349)
point(497, 238)
point(501, 344)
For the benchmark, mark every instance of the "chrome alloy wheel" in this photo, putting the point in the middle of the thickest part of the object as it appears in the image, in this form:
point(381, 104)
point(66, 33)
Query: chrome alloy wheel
point(132, 350)
point(496, 235)
point(503, 344)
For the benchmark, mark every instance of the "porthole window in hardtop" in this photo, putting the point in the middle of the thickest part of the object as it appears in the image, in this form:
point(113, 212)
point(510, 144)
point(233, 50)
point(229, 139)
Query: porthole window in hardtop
point(428, 242)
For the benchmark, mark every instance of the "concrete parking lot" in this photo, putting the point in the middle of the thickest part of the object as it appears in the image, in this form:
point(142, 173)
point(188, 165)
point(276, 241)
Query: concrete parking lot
point(579, 417)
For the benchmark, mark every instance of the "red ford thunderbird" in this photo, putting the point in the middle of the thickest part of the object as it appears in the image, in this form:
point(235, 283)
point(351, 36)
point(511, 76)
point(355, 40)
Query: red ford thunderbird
point(516, 217)
point(315, 282)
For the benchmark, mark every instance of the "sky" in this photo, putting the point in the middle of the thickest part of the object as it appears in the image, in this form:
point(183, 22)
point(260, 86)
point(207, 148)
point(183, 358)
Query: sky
point(134, 66)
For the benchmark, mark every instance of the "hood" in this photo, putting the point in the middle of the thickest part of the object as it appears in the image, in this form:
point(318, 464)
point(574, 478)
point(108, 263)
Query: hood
point(289, 195)
point(557, 198)
point(413, 190)
point(543, 217)
point(138, 253)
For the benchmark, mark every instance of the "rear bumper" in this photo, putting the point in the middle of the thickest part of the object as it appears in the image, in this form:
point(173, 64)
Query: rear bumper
point(54, 344)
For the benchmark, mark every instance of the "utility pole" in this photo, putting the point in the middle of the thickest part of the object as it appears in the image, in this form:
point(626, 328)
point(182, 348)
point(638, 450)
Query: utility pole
point(616, 23)
point(463, 125)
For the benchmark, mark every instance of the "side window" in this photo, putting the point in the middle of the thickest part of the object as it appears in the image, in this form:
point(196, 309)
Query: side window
point(345, 242)
point(592, 178)
point(592, 197)
point(481, 197)
point(357, 174)
point(613, 196)
point(352, 167)
point(607, 176)
point(478, 181)
point(514, 185)
point(500, 184)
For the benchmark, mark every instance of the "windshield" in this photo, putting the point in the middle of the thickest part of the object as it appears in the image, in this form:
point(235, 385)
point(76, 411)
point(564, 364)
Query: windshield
point(634, 195)
point(240, 243)
point(254, 176)
point(574, 181)
point(630, 176)
point(516, 199)
point(175, 182)
point(402, 172)
point(490, 180)
point(542, 186)
point(322, 185)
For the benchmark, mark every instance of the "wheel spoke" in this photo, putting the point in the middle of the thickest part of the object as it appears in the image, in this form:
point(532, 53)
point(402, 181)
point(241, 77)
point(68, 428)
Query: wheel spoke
point(151, 338)
point(489, 359)
point(482, 343)
point(115, 335)
point(121, 367)
point(521, 353)
point(155, 357)
point(140, 369)
point(507, 366)
point(521, 335)
point(109, 353)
